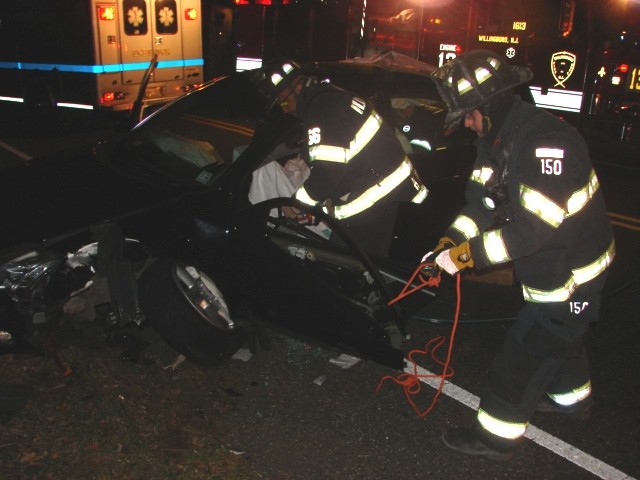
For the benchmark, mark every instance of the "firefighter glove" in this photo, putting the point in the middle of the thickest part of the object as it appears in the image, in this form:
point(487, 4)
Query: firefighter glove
point(443, 244)
point(455, 259)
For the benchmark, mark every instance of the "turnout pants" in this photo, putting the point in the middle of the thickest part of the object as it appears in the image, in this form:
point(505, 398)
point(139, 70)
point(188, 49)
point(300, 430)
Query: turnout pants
point(543, 353)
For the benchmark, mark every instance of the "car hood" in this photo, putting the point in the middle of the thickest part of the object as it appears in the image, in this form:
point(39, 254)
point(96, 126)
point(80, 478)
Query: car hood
point(52, 195)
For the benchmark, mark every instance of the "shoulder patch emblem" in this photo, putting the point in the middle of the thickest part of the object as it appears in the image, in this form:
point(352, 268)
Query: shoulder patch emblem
point(550, 160)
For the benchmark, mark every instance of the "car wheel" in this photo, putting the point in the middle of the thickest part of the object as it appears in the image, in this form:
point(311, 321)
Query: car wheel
point(189, 312)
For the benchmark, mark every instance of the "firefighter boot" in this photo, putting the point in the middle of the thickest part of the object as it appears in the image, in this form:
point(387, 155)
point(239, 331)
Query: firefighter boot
point(471, 441)
point(577, 411)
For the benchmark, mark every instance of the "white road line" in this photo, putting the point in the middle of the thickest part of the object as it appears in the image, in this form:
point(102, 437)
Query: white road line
point(624, 217)
point(625, 225)
point(625, 221)
point(18, 153)
point(554, 444)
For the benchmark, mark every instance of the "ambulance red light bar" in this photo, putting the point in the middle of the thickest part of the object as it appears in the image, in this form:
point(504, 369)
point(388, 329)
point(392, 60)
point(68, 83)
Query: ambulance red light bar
point(190, 14)
point(623, 68)
point(107, 12)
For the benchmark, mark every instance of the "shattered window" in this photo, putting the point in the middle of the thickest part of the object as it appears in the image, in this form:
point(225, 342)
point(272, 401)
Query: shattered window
point(204, 130)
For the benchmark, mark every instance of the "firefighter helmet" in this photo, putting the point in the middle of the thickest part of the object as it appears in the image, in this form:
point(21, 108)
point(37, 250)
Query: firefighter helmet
point(275, 76)
point(472, 78)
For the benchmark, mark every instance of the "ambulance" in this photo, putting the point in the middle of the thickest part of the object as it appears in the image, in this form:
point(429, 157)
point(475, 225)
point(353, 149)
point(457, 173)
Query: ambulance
point(99, 54)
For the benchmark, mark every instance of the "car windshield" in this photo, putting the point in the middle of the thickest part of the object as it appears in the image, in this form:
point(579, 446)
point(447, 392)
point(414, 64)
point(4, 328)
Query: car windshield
point(196, 138)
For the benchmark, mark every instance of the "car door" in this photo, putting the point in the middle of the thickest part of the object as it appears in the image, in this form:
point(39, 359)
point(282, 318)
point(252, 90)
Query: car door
point(304, 284)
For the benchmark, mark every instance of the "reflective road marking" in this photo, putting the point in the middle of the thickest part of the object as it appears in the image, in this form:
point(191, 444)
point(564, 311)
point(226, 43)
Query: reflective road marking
point(18, 153)
point(624, 221)
point(554, 444)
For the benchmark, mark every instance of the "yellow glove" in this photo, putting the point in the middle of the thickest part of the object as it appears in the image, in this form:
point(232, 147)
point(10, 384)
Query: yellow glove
point(455, 259)
point(443, 244)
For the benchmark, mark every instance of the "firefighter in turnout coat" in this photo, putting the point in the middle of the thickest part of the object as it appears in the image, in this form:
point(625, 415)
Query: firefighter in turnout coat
point(359, 169)
point(533, 199)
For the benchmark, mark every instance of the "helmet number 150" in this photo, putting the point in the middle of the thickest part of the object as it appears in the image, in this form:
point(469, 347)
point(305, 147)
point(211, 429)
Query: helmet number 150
point(551, 166)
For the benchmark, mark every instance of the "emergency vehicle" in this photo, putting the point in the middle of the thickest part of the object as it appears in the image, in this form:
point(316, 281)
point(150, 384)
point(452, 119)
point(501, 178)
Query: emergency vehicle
point(240, 34)
point(564, 42)
point(96, 54)
point(616, 84)
point(582, 72)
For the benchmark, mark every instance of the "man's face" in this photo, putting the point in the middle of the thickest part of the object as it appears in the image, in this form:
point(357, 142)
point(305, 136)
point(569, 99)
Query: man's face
point(473, 121)
point(287, 98)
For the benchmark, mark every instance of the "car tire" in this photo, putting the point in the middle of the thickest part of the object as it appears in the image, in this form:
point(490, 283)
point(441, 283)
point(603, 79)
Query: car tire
point(169, 310)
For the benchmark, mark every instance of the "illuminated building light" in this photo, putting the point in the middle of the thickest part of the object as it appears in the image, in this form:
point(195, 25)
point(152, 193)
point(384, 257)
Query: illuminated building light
point(74, 105)
point(11, 99)
point(567, 100)
point(246, 63)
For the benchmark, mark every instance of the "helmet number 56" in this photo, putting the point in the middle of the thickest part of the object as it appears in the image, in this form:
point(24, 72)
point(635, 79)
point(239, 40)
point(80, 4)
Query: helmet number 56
point(314, 136)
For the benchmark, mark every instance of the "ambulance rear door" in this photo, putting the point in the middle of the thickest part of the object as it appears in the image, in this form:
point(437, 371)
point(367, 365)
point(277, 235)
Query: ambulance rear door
point(191, 34)
point(137, 46)
point(167, 40)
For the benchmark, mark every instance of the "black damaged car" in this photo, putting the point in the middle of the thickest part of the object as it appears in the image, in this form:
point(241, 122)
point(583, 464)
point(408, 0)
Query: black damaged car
point(162, 215)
